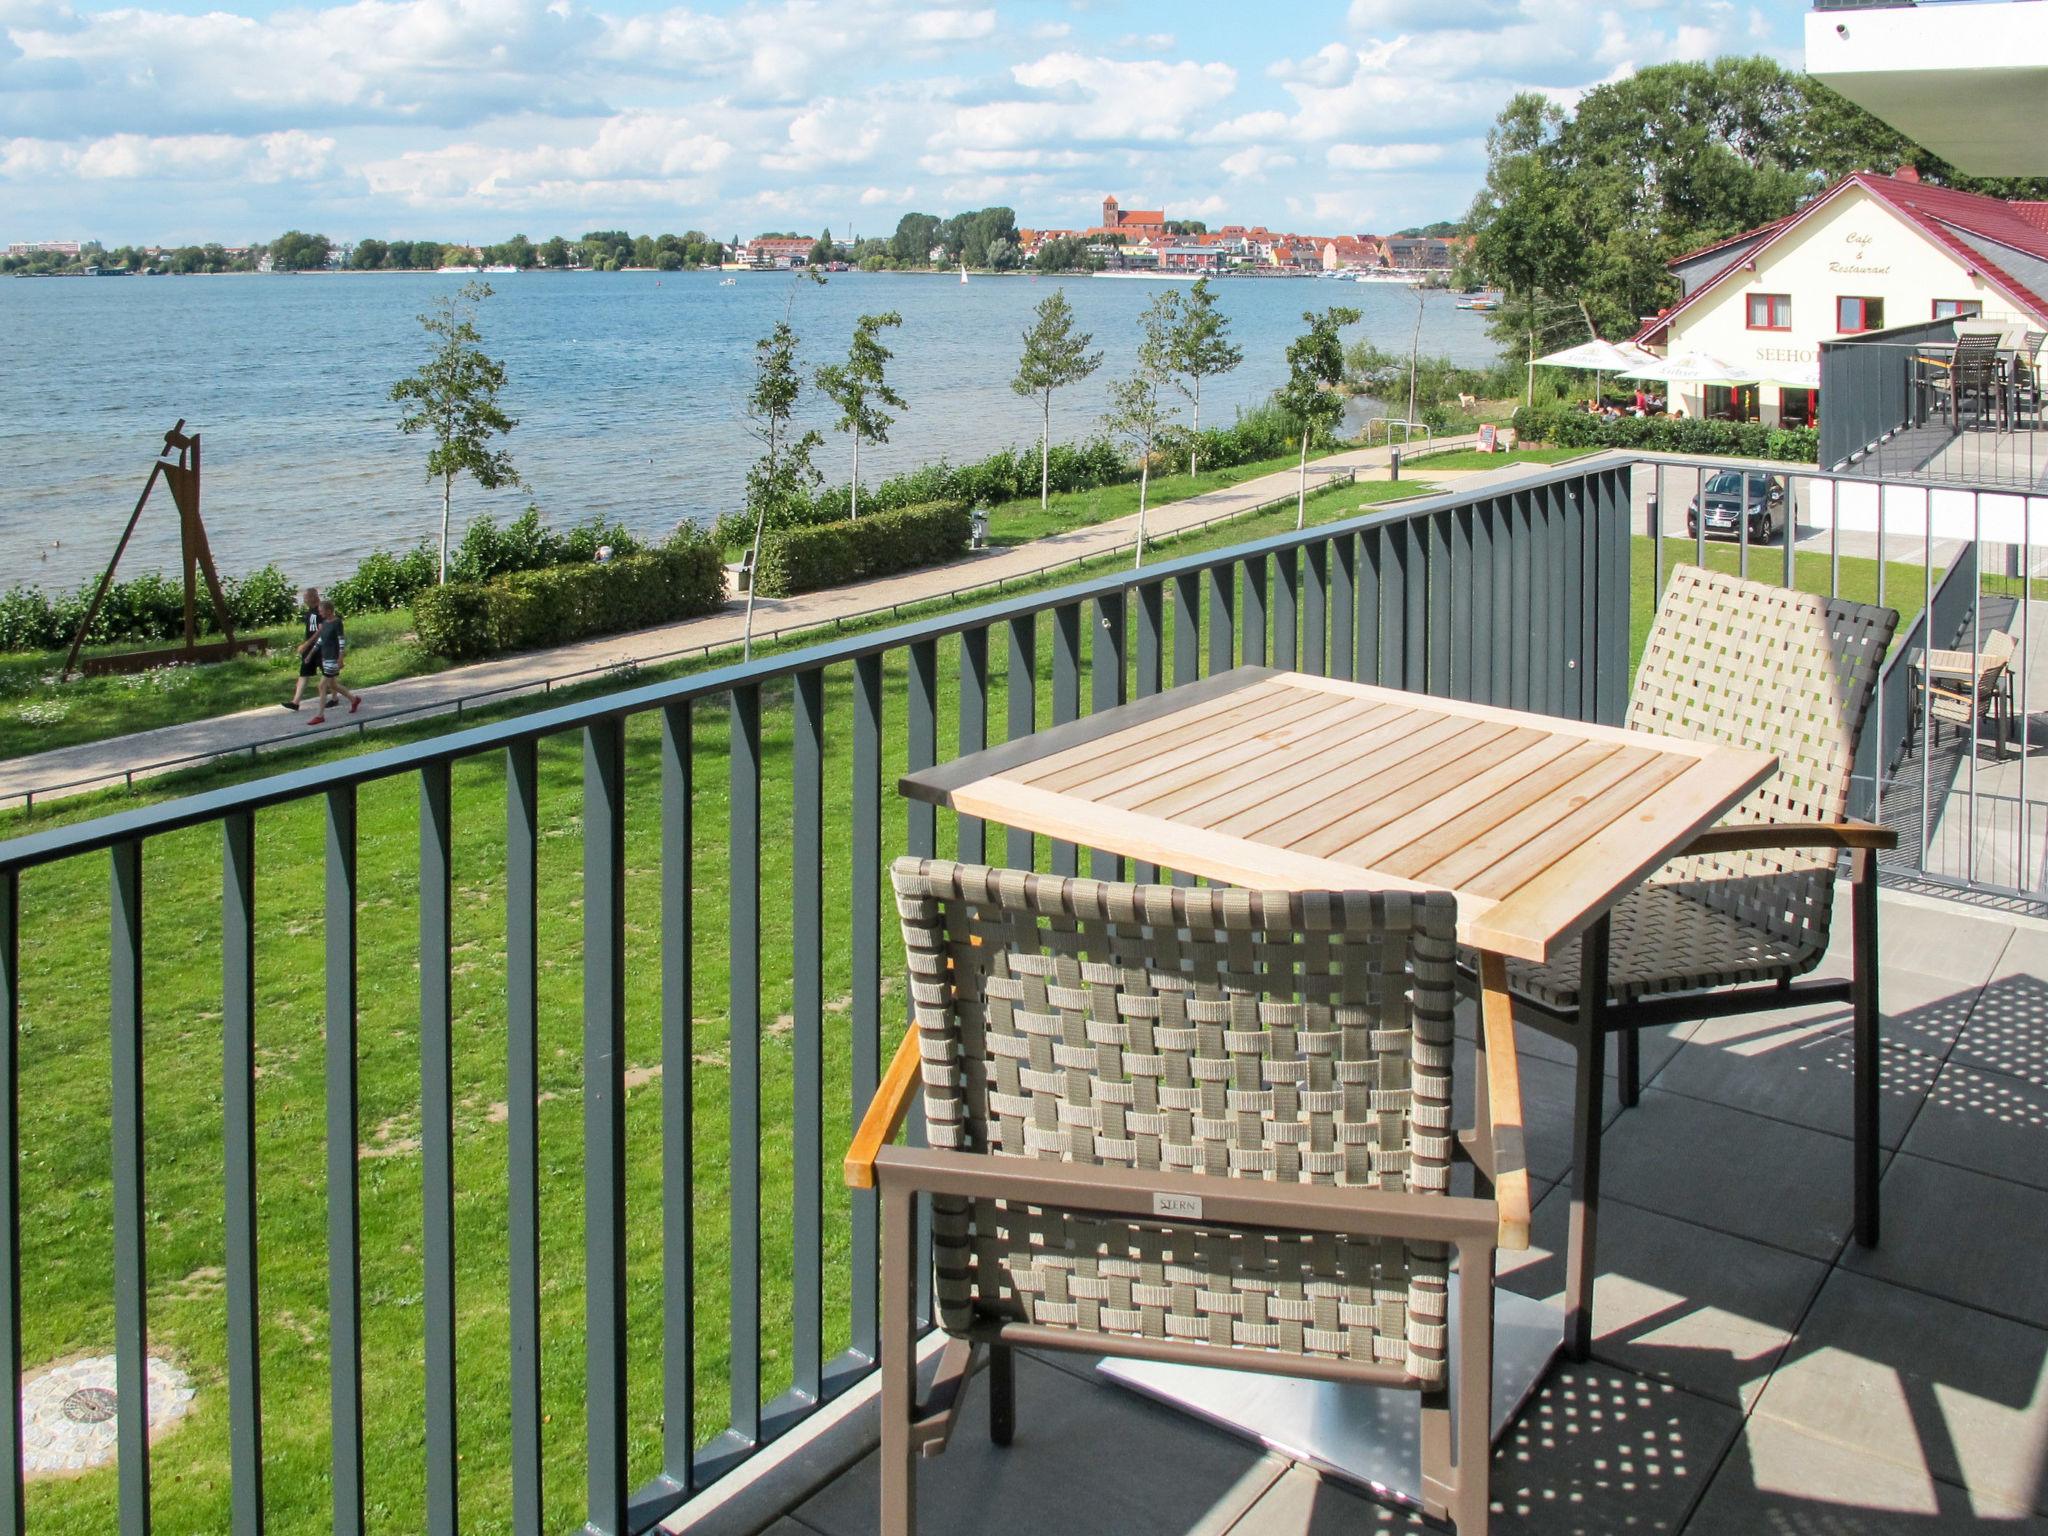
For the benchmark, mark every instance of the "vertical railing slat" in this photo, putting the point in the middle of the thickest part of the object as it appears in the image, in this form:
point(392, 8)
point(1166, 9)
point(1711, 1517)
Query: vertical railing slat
point(1286, 608)
point(238, 1146)
point(1252, 639)
point(604, 1123)
point(678, 1105)
point(1314, 629)
point(972, 834)
point(522, 1127)
point(1221, 580)
point(1066, 702)
point(865, 958)
point(1187, 626)
point(1485, 515)
point(131, 1258)
point(1022, 720)
point(743, 1053)
point(13, 1517)
point(807, 1042)
point(1343, 641)
point(1106, 691)
point(921, 836)
point(437, 1147)
point(344, 1225)
point(1371, 604)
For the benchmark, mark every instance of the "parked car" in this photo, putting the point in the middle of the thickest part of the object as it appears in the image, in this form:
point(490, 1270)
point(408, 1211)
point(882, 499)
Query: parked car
point(1723, 498)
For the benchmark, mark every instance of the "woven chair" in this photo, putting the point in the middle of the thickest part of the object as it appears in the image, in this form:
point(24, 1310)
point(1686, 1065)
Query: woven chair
point(1729, 925)
point(1203, 1125)
point(1949, 698)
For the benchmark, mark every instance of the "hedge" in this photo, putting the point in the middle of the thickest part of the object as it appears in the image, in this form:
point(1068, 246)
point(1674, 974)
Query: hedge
point(144, 608)
point(1565, 427)
point(463, 620)
point(877, 544)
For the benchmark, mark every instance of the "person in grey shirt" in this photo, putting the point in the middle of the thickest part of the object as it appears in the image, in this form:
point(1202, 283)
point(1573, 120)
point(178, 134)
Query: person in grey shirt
point(328, 644)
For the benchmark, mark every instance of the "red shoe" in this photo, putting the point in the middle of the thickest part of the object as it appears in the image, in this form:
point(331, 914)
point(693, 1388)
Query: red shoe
point(317, 720)
point(355, 703)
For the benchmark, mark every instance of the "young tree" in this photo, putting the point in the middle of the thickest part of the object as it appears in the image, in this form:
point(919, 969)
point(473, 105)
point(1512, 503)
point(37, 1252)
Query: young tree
point(781, 481)
point(1201, 349)
point(1315, 367)
point(1055, 355)
point(455, 397)
point(1138, 409)
point(860, 389)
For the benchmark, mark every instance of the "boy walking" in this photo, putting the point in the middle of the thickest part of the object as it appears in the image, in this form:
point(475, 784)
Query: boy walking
point(309, 656)
point(327, 644)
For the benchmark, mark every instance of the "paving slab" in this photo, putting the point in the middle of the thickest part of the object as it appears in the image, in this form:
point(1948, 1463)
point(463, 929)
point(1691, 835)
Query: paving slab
point(1940, 1389)
point(1965, 1236)
point(1672, 1301)
point(1989, 1121)
point(1770, 1181)
point(1086, 1456)
point(2005, 1032)
point(1778, 1481)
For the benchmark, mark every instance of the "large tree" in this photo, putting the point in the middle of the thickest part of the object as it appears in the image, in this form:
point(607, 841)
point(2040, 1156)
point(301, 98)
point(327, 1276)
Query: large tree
point(860, 388)
point(1055, 355)
point(454, 396)
point(1200, 348)
point(916, 234)
point(1315, 367)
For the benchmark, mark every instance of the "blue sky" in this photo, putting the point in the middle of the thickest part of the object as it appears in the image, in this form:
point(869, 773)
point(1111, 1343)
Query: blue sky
point(181, 120)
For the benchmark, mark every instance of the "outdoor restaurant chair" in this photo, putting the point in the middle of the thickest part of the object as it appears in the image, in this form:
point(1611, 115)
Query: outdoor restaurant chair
point(1728, 926)
point(1953, 697)
point(1976, 373)
point(1203, 1125)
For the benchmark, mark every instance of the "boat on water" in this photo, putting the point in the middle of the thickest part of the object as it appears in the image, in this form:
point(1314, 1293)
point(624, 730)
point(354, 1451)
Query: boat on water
point(727, 282)
point(1155, 277)
point(1386, 275)
point(456, 270)
point(501, 266)
point(963, 271)
point(1482, 302)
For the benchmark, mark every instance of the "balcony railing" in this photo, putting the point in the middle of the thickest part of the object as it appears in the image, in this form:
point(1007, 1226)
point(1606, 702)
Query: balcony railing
point(653, 923)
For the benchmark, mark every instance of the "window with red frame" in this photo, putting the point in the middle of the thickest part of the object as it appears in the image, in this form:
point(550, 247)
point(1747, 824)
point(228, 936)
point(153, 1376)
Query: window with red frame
point(1859, 315)
point(1770, 311)
point(1957, 309)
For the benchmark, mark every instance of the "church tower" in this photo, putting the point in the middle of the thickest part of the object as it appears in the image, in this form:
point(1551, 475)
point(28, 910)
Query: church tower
point(1110, 217)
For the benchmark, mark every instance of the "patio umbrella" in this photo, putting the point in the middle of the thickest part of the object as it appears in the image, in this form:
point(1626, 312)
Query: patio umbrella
point(1793, 375)
point(1598, 356)
point(1691, 368)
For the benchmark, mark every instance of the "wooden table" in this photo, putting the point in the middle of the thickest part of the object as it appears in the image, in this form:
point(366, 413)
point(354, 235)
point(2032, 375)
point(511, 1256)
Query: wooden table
point(1282, 780)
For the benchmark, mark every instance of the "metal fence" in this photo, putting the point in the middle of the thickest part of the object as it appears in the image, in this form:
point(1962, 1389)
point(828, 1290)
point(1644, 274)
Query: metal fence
point(1868, 388)
point(1518, 595)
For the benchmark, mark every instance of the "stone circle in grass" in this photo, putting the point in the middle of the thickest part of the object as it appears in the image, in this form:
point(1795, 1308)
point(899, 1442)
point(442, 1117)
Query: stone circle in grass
point(70, 1413)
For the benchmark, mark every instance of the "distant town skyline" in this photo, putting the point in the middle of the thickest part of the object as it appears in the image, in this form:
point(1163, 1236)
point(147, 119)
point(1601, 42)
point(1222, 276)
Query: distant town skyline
point(176, 121)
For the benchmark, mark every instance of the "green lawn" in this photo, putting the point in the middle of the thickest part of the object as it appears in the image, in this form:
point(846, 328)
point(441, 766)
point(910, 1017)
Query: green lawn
point(1020, 521)
point(36, 715)
point(67, 1269)
point(1472, 458)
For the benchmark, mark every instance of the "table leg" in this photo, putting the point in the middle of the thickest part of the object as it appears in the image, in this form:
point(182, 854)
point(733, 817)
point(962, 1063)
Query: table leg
point(1588, 1108)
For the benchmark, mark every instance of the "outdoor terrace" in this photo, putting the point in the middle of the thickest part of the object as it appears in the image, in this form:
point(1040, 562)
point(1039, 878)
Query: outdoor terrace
point(543, 1041)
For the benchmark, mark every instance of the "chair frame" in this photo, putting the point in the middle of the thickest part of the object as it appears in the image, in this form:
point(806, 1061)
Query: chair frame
point(1455, 1456)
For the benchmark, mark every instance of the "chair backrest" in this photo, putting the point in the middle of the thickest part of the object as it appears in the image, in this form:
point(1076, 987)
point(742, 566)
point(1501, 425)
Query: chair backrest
point(1785, 672)
point(1298, 1037)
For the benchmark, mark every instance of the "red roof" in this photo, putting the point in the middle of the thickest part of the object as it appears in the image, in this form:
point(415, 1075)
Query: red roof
point(1142, 216)
point(1941, 213)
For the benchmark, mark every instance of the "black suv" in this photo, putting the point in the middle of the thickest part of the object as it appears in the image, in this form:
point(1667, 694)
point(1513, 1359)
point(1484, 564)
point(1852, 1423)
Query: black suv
point(1722, 496)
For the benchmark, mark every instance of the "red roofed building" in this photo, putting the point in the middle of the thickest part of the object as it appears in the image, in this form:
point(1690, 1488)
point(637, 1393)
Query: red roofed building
point(1135, 223)
point(1870, 253)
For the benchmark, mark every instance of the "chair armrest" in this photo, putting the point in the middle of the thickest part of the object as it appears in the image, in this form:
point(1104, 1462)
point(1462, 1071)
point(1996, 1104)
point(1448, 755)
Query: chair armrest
point(1504, 1103)
point(1793, 834)
point(884, 1117)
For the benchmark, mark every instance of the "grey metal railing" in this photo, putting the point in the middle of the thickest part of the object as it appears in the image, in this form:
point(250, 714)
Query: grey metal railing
point(1519, 596)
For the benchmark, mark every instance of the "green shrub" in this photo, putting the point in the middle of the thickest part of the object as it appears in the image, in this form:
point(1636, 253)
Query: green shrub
point(461, 620)
point(879, 544)
point(384, 582)
point(1564, 427)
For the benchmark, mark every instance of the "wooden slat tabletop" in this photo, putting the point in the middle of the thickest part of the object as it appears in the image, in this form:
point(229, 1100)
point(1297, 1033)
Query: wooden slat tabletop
point(1284, 780)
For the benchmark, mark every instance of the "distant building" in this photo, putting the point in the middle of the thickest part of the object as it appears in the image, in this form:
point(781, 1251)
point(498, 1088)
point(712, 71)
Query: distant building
point(775, 252)
point(44, 248)
point(1137, 223)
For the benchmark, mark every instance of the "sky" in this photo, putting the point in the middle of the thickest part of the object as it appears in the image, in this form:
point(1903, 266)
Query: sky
point(187, 120)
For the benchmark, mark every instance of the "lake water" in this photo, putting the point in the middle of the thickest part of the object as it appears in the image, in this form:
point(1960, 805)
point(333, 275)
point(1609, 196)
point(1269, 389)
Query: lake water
point(627, 388)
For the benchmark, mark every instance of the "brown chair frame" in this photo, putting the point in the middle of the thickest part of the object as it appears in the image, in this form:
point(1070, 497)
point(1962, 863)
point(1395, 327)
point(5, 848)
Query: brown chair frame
point(1455, 1458)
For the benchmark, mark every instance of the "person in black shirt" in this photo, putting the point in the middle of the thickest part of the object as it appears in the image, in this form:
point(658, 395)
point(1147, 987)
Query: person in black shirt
point(328, 643)
point(309, 658)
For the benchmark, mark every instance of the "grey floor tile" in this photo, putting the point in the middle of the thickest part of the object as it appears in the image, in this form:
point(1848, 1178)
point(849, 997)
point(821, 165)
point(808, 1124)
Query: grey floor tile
point(1599, 1451)
point(1778, 1481)
point(2005, 1031)
point(1087, 1456)
point(1303, 1503)
point(1676, 1302)
point(1772, 1182)
point(1989, 1121)
point(1965, 1236)
point(1951, 942)
point(1939, 1389)
point(1797, 1065)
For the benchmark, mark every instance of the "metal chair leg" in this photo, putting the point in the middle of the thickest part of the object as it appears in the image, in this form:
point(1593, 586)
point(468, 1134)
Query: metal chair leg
point(899, 1364)
point(1628, 1062)
point(1867, 1029)
point(1589, 1103)
point(1002, 1394)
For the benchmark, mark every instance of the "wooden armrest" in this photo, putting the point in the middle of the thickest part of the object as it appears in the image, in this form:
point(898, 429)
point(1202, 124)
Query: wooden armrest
point(884, 1117)
point(1793, 834)
point(1504, 1103)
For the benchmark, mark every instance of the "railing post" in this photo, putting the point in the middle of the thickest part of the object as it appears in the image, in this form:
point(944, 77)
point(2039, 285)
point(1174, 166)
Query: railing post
point(522, 1131)
point(131, 1262)
point(604, 1124)
point(807, 1013)
point(437, 1147)
point(344, 1233)
point(238, 1147)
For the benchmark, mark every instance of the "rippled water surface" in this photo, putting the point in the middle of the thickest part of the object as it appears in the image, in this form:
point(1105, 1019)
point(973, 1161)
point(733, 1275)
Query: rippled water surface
point(627, 388)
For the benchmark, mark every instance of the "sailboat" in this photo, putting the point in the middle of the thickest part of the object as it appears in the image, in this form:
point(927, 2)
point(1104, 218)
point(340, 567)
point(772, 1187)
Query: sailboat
point(963, 271)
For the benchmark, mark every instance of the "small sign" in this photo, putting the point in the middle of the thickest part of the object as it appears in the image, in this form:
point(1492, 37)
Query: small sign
point(1178, 1207)
point(1489, 438)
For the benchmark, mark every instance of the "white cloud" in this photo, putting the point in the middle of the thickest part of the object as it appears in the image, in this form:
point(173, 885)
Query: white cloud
point(871, 196)
point(264, 158)
point(634, 156)
point(1383, 157)
point(1255, 160)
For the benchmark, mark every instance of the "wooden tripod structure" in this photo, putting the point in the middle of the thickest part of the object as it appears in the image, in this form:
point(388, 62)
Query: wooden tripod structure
point(177, 465)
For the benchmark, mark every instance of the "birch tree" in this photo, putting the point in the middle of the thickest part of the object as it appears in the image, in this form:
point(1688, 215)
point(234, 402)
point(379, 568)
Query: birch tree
point(860, 388)
point(454, 396)
point(1139, 411)
point(1055, 355)
point(1202, 349)
point(1315, 367)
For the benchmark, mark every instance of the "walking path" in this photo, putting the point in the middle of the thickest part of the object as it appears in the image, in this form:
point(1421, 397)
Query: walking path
point(71, 770)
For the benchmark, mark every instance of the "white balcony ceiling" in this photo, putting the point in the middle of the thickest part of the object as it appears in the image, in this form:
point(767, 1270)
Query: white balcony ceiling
point(1967, 81)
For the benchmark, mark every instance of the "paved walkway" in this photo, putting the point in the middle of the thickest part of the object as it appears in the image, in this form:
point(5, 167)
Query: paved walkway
point(142, 754)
